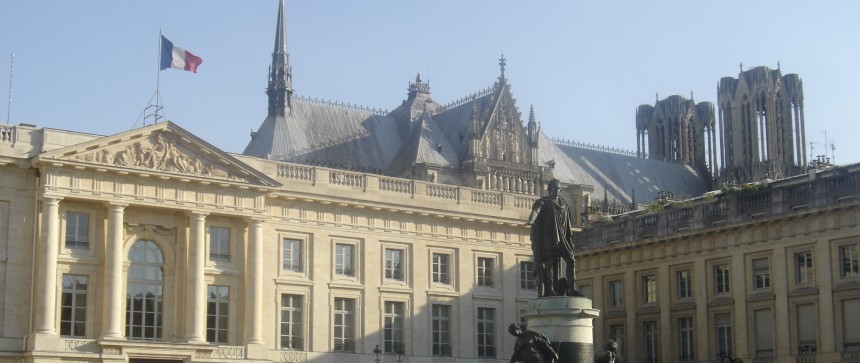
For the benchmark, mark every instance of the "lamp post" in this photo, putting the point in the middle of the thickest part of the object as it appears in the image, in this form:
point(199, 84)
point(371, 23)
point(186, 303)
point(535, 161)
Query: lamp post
point(377, 352)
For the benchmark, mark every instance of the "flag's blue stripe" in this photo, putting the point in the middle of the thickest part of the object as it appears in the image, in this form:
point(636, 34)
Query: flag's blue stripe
point(166, 53)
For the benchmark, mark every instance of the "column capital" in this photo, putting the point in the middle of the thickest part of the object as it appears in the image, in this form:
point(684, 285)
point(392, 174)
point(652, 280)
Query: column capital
point(255, 221)
point(116, 205)
point(51, 199)
point(197, 214)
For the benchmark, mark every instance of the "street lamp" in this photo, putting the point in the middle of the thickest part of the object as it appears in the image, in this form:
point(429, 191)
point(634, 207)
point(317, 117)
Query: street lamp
point(377, 352)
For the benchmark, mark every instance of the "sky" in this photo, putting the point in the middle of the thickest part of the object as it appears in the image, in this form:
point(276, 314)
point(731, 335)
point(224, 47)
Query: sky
point(91, 65)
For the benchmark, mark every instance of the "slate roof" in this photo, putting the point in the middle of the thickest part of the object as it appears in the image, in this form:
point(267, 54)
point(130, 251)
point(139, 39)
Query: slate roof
point(322, 133)
point(425, 144)
point(621, 174)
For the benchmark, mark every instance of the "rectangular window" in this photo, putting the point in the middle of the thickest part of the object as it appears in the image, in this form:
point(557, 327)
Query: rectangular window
point(441, 330)
point(217, 308)
point(292, 255)
point(219, 244)
point(394, 264)
point(807, 328)
point(73, 312)
point(486, 333)
point(685, 285)
point(344, 259)
point(616, 293)
point(803, 268)
point(441, 268)
point(685, 340)
point(485, 271)
point(721, 279)
point(763, 333)
point(649, 289)
point(77, 230)
point(651, 342)
point(723, 324)
point(761, 273)
point(850, 325)
point(344, 333)
point(393, 329)
point(848, 257)
point(291, 322)
point(527, 275)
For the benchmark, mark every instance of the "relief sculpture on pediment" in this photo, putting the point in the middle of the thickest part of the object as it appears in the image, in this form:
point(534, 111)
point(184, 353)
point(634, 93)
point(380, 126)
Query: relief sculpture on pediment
point(161, 152)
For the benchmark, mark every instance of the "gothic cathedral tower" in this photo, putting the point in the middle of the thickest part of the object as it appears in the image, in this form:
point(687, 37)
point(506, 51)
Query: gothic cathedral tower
point(762, 126)
point(677, 130)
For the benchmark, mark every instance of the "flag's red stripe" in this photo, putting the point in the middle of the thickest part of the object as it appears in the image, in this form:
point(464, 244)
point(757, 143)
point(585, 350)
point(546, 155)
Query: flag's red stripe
point(192, 61)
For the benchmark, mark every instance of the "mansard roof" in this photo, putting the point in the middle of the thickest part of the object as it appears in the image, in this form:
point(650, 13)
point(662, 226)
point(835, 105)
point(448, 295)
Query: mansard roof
point(620, 173)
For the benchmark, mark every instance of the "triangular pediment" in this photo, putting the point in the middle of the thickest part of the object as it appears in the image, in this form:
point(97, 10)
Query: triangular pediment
point(160, 148)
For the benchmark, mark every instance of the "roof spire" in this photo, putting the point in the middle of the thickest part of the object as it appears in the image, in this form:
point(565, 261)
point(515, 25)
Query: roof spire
point(280, 88)
point(502, 63)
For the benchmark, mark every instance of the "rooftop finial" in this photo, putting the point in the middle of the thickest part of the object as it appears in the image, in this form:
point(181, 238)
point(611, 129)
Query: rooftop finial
point(777, 65)
point(691, 95)
point(418, 87)
point(742, 67)
point(656, 97)
point(502, 64)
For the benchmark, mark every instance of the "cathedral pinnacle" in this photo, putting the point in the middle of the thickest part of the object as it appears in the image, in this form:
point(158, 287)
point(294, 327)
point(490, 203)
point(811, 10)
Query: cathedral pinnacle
point(418, 87)
point(280, 89)
point(502, 63)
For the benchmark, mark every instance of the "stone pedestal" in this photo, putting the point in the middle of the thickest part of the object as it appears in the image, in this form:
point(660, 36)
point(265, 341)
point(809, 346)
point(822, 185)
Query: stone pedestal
point(567, 323)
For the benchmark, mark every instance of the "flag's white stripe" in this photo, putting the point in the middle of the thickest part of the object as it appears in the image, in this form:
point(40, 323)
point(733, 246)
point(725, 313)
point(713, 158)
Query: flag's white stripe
point(178, 58)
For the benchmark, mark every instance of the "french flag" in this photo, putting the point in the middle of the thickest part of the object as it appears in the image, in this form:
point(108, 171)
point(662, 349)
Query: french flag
point(178, 58)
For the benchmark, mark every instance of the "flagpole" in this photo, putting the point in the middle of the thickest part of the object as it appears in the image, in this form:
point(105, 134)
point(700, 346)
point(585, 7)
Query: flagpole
point(157, 107)
point(158, 78)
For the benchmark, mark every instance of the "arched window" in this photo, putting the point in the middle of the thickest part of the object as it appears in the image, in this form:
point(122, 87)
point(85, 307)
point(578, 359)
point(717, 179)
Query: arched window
point(144, 300)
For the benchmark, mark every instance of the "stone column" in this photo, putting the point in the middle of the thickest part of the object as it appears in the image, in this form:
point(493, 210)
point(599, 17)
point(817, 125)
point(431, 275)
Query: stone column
point(46, 298)
point(196, 306)
point(254, 284)
point(568, 321)
point(114, 304)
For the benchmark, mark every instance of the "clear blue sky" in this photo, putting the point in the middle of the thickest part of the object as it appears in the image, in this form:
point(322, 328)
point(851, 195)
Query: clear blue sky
point(90, 66)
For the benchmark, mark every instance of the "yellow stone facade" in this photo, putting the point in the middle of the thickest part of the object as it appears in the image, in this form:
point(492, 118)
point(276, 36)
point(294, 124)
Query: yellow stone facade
point(243, 246)
point(183, 198)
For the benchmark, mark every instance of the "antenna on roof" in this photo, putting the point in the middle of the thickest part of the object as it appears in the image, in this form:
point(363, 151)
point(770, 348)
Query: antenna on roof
point(11, 71)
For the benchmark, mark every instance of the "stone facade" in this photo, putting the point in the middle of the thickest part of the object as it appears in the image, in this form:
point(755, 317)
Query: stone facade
point(154, 244)
point(767, 273)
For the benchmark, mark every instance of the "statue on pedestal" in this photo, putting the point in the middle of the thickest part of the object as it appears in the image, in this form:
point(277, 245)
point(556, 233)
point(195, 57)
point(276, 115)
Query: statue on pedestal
point(551, 243)
point(531, 346)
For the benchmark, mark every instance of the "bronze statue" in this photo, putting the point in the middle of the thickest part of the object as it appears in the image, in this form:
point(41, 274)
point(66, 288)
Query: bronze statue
point(610, 352)
point(531, 346)
point(552, 243)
